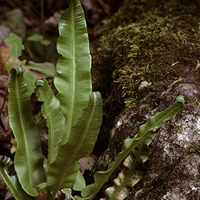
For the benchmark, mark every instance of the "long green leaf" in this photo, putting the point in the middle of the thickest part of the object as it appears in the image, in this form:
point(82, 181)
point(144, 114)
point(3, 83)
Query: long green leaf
point(132, 172)
point(14, 185)
point(73, 79)
point(28, 160)
point(52, 112)
point(63, 172)
point(129, 144)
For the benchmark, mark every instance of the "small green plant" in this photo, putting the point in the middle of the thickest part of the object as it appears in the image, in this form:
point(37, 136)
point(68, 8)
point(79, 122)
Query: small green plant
point(16, 51)
point(73, 119)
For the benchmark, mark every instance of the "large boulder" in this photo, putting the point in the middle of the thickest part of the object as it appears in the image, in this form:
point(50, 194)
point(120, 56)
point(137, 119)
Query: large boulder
point(148, 55)
point(173, 169)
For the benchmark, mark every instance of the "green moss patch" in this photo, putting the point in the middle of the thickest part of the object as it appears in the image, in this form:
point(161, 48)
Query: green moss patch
point(153, 41)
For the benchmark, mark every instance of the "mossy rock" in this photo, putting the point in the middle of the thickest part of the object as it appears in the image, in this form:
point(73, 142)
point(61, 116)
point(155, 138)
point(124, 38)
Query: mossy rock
point(154, 42)
point(157, 42)
point(172, 170)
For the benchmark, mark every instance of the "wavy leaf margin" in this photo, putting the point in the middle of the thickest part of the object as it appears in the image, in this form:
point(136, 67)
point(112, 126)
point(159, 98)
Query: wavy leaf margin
point(101, 177)
point(73, 78)
point(63, 172)
point(28, 161)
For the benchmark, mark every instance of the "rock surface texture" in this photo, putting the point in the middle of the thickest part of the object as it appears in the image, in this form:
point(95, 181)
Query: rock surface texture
point(154, 42)
point(173, 168)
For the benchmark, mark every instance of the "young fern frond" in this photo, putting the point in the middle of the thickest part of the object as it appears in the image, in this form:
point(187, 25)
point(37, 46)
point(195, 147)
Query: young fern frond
point(52, 112)
point(73, 79)
point(14, 185)
point(28, 161)
point(132, 172)
point(101, 177)
point(80, 143)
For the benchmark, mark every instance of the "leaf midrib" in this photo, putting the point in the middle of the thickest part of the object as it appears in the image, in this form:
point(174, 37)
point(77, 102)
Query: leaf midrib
point(23, 129)
point(124, 184)
point(127, 151)
point(70, 117)
point(75, 152)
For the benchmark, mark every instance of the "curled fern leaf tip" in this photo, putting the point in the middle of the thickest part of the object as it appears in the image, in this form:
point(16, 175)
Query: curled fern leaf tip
point(20, 70)
point(6, 161)
point(40, 83)
point(180, 99)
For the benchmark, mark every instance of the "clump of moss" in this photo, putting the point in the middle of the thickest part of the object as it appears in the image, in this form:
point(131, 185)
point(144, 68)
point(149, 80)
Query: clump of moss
point(153, 41)
point(137, 10)
point(156, 41)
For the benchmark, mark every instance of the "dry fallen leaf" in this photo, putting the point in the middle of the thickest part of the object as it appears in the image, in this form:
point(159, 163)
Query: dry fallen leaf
point(5, 56)
point(3, 81)
point(41, 197)
point(4, 33)
point(87, 163)
point(5, 122)
point(53, 20)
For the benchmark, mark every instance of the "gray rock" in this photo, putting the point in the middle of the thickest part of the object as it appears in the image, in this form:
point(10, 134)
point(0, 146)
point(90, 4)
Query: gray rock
point(173, 168)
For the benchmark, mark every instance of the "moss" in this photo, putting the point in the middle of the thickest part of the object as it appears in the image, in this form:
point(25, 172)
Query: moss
point(153, 41)
point(156, 41)
point(138, 10)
